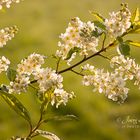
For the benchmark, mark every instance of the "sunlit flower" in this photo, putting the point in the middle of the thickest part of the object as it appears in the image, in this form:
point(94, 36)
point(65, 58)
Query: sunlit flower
point(20, 84)
point(78, 34)
point(8, 3)
point(127, 68)
point(61, 96)
point(7, 34)
point(111, 84)
point(118, 22)
point(4, 64)
point(30, 64)
point(47, 79)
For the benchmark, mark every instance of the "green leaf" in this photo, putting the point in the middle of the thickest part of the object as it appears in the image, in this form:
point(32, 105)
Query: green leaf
point(47, 135)
point(136, 16)
point(120, 39)
point(136, 28)
point(137, 44)
point(18, 138)
point(11, 74)
point(124, 49)
point(72, 50)
point(96, 33)
point(16, 105)
point(39, 97)
point(98, 16)
point(62, 118)
point(100, 25)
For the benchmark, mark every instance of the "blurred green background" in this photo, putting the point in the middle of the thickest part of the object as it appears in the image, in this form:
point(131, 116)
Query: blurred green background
point(40, 23)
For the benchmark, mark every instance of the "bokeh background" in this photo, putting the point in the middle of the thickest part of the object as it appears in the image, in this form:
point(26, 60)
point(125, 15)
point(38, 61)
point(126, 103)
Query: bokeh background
point(40, 23)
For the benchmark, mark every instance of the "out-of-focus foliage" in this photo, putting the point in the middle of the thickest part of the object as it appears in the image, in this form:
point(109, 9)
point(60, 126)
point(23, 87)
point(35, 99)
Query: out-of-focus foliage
point(40, 22)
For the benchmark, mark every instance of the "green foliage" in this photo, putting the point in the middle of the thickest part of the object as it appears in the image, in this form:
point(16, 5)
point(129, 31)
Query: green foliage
point(72, 50)
point(124, 49)
point(97, 16)
point(100, 25)
point(61, 118)
point(11, 74)
point(137, 44)
point(123, 46)
point(136, 16)
point(16, 105)
point(47, 135)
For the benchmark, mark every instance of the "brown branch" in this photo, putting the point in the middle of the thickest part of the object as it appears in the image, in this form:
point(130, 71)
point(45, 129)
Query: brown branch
point(87, 58)
point(78, 73)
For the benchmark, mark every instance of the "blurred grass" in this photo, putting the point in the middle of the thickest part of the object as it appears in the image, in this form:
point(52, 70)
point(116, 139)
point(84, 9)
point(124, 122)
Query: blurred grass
point(40, 22)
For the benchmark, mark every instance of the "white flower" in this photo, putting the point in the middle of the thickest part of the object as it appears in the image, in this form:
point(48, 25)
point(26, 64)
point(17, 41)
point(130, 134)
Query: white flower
point(30, 64)
point(61, 96)
point(127, 68)
point(7, 34)
point(8, 3)
point(4, 64)
point(78, 34)
point(111, 84)
point(48, 79)
point(20, 84)
point(119, 22)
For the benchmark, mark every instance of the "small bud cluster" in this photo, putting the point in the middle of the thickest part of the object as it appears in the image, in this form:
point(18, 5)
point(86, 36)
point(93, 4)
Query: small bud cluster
point(119, 22)
point(111, 84)
point(78, 34)
point(7, 34)
point(8, 3)
point(47, 79)
point(4, 64)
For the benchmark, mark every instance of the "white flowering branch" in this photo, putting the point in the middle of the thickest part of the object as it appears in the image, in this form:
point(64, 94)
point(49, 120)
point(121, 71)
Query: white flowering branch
point(80, 39)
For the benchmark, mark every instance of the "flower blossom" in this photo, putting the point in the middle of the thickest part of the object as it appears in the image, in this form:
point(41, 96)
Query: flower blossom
point(8, 3)
point(7, 34)
point(118, 22)
point(4, 64)
point(127, 68)
point(61, 96)
point(30, 64)
point(111, 84)
point(47, 80)
point(24, 71)
point(79, 35)
point(20, 84)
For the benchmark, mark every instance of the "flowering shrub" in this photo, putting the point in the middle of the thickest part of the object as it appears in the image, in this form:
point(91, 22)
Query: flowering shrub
point(80, 39)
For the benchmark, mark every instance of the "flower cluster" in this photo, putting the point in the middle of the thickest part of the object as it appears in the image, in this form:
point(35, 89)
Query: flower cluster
point(111, 84)
point(119, 22)
point(8, 3)
point(20, 84)
point(79, 35)
point(7, 34)
point(24, 71)
point(127, 68)
point(4, 64)
point(30, 64)
point(47, 79)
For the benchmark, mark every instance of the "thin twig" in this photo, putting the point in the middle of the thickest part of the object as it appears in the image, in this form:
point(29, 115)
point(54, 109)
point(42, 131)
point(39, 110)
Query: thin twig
point(87, 58)
point(103, 44)
point(78, 73)
point(104, 57)
point(57, 65)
